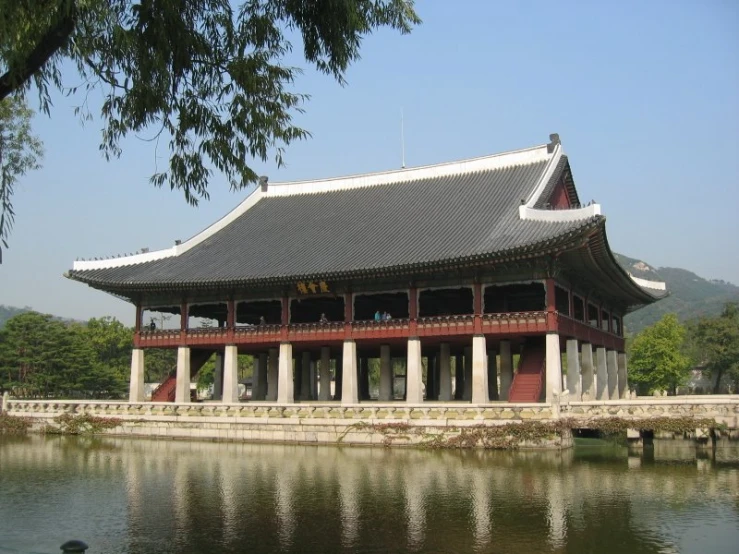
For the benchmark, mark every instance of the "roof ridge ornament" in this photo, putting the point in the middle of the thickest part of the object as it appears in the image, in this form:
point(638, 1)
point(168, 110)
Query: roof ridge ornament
point(554, 141)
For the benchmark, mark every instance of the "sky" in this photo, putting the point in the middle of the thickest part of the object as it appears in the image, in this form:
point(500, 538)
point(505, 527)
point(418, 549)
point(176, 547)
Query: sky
point(644, 95)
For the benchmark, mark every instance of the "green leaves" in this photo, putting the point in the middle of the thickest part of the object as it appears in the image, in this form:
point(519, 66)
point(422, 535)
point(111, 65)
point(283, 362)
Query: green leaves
point(44, 357)
point(657, 360)
point(208, 78)
point(20, 152)
point(717, 342)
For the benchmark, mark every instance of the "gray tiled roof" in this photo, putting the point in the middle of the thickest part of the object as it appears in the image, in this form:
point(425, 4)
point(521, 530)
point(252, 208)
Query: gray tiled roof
point(429, 220)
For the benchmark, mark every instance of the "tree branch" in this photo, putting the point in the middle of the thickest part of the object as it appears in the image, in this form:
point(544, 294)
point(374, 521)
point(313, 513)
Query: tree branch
point(49, 43)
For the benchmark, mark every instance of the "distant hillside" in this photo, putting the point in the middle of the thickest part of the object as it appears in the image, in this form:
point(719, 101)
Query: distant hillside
point(690, 296)
point(6, 312)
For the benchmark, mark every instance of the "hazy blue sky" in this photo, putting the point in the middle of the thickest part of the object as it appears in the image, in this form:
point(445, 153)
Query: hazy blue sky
point(645, 96)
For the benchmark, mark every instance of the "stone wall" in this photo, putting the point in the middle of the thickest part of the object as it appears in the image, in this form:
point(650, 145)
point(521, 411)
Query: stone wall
point(362, 424)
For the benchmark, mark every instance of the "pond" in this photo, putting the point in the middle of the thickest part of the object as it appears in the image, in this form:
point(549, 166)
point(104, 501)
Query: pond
point(152, 497)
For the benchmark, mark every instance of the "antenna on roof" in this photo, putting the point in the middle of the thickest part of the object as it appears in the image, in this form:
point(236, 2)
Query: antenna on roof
point(402, 140)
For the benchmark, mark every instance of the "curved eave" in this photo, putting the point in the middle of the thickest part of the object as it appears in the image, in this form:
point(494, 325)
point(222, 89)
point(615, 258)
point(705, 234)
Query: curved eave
point(617, 276)
point(552, 245)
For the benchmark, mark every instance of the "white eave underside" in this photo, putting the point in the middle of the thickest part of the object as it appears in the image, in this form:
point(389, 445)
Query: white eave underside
point(645, 283)
point(486, 163)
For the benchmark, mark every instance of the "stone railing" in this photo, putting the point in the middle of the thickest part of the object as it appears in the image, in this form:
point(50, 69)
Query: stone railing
point(724, 409)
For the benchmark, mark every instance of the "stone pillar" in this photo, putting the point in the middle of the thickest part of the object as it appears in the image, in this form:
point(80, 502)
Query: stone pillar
point(573, 370)
point(261, 377)
point(231, 375)
point(414, 373)
point(272, 375)
point(257, 370)
point(506, 369)
point(458, 377)
point(285, 383)
point(349, 384)
point(588, 378)
point(554, 367)
point(305, 382)
point(445, 373)
point(218, 377)
point(467, 395)
point(431, 378)
point(623, 379)
point(493, 393)
point(339, 376)
point(182, 388)
point(386, 374)
point(324, 391)
point(136, 384)
point(601, 374)
point(612, 368)
point(479, 370)
point(314, 379)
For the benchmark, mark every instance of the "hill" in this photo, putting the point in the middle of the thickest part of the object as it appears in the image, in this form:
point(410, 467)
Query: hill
point(6, 312)
point(690, 296)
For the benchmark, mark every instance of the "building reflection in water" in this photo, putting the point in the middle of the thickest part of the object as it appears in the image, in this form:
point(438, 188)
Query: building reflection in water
point(190, 496)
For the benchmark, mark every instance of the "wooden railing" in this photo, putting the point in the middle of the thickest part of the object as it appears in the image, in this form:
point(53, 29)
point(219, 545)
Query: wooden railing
point(508, 324)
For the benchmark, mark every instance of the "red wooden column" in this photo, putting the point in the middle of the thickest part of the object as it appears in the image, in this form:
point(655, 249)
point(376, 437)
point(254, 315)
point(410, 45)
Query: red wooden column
point(551, 306)
point(137, 325)
point(348, 314)
point(477, 307)
point(413, 311)
point(571, 298)
point(285, 317)
point(230, 320)
point(183, 323)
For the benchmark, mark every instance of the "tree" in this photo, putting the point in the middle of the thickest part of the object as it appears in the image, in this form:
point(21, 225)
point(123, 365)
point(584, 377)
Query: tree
point(717, 342)
point(657, 360)
point(209, 78)
point(20, 152)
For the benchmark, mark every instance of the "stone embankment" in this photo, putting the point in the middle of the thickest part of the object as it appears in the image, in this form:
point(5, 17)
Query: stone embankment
point(495, 425)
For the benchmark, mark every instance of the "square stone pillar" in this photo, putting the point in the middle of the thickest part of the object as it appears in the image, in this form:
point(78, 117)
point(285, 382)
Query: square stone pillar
point(573, 370)
point(612, 368)
point(601, 374)
point(506, 369)
point(349, 377)
point(386, 374)
point(414, 373)
point(623, 379)
point(136, 384)
point(553, 367)
point(182, 387)
point(285, 383)
point(493, 392)
point(324, 390)
point(479, 370)
point(467, 395)
point(305, 382)
point(259, 380)
point(218, 377)
point(588, 371)
point(257, 370)
point(231, 375)
point(272, 374)
point(445, 373)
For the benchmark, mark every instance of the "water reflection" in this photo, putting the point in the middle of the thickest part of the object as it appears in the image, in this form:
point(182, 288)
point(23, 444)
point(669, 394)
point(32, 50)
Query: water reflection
point(139, 496)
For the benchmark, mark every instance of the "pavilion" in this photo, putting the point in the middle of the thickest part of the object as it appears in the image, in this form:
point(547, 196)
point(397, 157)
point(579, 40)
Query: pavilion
point(478, 263)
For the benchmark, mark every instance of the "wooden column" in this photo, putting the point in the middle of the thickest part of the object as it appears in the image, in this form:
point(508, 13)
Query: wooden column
point(285, 317)
point(477, 307)
point(348, 314)
point(551, 305)
point(231, 322)
point(183, 323)
point(413, 310)
point(137, 325)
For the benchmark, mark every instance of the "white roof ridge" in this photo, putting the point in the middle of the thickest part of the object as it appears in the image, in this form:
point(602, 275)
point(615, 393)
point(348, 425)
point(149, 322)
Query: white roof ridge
point(524, 156)
point(501, 160)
